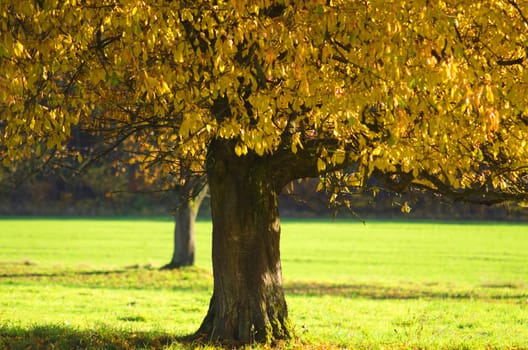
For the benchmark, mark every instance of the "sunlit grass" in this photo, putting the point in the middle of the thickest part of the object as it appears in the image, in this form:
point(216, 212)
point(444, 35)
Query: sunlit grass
point(395, 252)
point(96, 284)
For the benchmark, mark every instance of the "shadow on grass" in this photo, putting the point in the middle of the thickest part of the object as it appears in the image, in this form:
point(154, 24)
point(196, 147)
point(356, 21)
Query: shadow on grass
point(198, 279)
point(26, 269)
point(372, 291)
point(135, 277)
point(59, 337)
point(44, 337)
point(31, 275)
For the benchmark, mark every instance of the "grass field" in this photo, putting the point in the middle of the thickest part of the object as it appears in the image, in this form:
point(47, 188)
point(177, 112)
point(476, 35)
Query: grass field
point(79, 283)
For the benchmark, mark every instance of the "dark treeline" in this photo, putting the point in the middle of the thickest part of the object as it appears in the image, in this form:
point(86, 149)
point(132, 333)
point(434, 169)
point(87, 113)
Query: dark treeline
point(107, 191)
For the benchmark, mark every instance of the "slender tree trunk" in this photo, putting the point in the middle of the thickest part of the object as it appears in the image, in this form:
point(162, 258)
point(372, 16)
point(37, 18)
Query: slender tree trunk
point(185, 217)
point(248, 301)
point(184, 245)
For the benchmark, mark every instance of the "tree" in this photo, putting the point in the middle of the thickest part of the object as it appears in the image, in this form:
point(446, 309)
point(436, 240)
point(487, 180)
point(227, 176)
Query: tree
point(189, 194)
point(184, 180)
point(420, 95)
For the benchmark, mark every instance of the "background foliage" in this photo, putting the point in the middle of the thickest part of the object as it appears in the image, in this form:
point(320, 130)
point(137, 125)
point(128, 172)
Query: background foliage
point(100, 192)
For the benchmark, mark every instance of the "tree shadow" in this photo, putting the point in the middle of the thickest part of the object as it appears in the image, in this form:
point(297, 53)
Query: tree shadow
point(380, 292)
point(45, 337)
point(63, 337)
point(62, 273)
point(29, 269)
point(134, 276)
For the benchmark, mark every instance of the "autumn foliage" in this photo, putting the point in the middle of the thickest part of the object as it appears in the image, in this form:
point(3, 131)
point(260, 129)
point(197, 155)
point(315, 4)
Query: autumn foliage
point(432, 89)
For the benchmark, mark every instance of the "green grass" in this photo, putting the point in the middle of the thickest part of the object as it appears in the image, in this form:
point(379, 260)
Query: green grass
point(88, 283)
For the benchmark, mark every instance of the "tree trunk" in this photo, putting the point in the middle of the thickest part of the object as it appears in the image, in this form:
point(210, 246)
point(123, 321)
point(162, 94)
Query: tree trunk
point(185, 217)
point(248, 300)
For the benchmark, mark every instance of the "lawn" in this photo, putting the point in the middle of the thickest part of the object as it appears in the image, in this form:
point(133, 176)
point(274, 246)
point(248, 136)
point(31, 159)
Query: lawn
point(95, 283)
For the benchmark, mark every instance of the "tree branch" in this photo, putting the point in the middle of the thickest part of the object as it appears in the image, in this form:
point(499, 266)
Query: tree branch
point(510, 62)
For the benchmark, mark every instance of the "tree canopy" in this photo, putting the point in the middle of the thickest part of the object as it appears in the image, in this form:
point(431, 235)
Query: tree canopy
point(432, 89)
point(421, 93)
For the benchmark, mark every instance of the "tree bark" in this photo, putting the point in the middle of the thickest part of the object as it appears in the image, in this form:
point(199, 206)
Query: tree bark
point(248, 303)
point(185, 217)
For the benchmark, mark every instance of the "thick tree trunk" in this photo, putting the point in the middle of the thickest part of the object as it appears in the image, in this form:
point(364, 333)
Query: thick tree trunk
point(248, 300)
point(185, 217)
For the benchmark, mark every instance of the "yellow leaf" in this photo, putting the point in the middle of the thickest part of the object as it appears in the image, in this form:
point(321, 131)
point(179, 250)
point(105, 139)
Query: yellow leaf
point(321, 165)
point(339, 157)
point(241, 149)
point(178, 54)
point(165, 89)
point(18, 48)
point(296, 141)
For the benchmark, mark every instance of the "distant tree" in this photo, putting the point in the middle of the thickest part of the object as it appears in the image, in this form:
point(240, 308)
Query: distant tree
point(189, 192)
point(421, 95)
point(182, 181)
